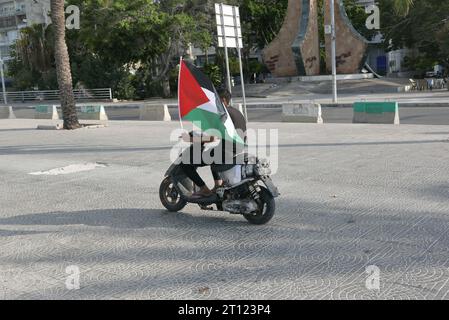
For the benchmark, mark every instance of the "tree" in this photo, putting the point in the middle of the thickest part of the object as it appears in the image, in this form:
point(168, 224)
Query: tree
point(33, 59)
point(63, 70)
point(356, 13)
point(143, 37)
point(402, 7)
point(424, 28)
point(262, 20)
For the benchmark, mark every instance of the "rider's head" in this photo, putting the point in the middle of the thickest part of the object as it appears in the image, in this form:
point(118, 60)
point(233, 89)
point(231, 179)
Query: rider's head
point(225, 96)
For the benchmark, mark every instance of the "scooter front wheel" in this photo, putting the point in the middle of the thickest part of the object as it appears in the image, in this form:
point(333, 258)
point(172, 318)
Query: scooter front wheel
point(267, 208)
point(170, 197)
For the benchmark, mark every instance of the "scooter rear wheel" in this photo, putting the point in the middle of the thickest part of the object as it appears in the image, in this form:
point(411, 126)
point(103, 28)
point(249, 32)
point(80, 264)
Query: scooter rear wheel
point(170, 197)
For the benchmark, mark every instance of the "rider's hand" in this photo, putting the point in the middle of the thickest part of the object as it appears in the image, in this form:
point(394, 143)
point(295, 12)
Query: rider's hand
point(210, 139)
point(186, 137)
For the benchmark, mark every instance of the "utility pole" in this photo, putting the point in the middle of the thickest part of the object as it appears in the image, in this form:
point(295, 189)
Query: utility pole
point(333, 52)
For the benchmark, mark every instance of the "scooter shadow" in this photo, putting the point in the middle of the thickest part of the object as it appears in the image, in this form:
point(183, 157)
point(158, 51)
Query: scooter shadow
point(126, 219)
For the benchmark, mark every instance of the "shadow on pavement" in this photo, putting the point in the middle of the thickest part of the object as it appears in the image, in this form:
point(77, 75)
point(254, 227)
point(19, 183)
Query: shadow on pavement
point(15, 150)
point(374, 143)
point(306, 245)
point(17, 129)
point(122, 219)
point(14, 233)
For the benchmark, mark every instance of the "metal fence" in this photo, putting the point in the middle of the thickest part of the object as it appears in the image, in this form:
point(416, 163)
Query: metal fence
point(53, 95)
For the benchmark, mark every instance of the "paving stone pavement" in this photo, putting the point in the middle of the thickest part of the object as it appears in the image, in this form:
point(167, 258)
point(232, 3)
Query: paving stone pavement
point(353, 196)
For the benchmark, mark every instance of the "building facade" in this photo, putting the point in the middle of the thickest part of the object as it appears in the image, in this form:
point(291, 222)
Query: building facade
point(17, 14)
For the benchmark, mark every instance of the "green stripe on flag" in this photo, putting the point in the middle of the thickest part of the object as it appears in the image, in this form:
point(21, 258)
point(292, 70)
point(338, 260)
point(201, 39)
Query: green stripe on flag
point(206, 120)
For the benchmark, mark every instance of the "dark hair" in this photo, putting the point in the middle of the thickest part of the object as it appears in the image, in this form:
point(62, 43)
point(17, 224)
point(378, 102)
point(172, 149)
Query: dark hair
point(224, 94)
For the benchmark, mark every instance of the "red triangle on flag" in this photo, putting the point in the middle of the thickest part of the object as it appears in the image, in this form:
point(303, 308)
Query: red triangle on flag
point(191, 95)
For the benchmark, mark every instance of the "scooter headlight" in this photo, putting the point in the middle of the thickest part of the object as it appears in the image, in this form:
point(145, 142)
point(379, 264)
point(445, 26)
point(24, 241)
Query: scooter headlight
point(263, 168)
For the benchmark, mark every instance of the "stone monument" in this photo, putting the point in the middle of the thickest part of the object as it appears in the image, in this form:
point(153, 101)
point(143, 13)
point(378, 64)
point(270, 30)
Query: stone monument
point(295, 51)
point(351, 45)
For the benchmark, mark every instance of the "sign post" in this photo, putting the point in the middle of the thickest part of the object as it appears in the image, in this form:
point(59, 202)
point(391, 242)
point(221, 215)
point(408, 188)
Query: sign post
point(238, 34)
point(225, 45)
point(230, 36)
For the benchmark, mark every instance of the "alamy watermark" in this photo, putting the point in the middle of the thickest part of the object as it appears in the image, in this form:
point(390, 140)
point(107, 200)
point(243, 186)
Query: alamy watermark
point(72, 281)
point(72, 21)
point(372, 283)
point(260, 144)
point(373, 20)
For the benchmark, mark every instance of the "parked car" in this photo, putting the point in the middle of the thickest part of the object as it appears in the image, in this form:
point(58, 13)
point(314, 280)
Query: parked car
point(433, 74)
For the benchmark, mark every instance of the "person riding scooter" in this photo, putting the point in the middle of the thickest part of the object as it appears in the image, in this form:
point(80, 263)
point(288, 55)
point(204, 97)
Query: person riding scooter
point(190, 168)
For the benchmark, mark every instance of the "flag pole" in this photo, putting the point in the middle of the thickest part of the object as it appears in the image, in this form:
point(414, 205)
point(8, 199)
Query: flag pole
point(179, 96)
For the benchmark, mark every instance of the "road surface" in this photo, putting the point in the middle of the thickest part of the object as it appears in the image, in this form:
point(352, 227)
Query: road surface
point(358, 201)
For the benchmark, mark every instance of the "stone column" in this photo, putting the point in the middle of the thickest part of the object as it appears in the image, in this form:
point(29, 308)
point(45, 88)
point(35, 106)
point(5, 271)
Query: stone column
point(295, 50)
point(306, 46)
point(351, 45)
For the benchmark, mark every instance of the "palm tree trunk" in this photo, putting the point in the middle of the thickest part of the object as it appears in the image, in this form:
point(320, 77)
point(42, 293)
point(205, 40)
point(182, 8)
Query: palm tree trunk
point(63, 71)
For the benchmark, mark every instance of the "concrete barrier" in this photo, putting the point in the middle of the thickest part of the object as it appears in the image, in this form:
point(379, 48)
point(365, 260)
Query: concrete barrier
point(376, 112)
point(407, 88)
point(305, 112)
point(46, 112)
point(154, 113)
point(92, 113)
point(6, 113)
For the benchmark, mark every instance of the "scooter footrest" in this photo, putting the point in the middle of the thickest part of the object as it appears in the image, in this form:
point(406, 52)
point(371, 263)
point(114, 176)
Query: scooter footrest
point(204, 201)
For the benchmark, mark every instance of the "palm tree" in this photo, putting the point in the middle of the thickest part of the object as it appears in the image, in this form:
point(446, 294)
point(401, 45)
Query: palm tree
point(63, 71)
point(402, 7)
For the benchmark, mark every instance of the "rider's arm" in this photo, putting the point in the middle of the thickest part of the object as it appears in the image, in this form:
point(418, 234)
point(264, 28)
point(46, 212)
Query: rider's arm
point(192, 138)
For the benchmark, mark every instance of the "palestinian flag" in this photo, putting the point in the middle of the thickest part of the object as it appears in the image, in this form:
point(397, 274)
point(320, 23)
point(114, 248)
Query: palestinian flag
point(200, 103)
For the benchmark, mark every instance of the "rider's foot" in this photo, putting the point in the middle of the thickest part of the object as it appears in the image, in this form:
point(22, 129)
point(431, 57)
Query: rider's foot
point(203, 193)
point(218, 184)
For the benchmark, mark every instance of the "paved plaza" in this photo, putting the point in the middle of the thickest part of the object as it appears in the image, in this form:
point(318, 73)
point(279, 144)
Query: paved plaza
point(355, 198)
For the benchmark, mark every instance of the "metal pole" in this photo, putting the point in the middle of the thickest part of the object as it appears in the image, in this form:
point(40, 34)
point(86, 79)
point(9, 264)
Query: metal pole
point(333, 49)
point(228, 71)
point(243, 84)
point(5, 100)
point(242, 80)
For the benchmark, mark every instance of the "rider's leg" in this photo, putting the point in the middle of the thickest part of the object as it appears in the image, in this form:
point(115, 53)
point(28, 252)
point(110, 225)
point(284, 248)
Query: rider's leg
point(191, 172)
point(217, 179)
